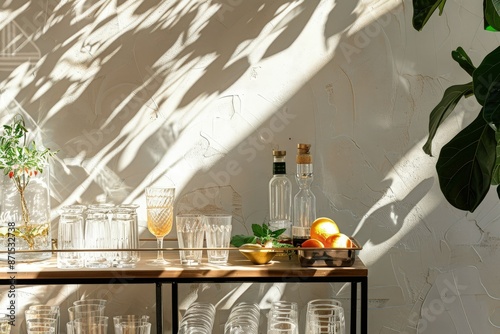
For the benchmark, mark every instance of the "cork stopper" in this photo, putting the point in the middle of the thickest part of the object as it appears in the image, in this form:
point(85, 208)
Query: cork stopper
point(303, 155)
point(279, 154)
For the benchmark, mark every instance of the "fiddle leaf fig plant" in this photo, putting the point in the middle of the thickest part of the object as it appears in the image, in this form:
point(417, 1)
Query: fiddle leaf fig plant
point(469, 164)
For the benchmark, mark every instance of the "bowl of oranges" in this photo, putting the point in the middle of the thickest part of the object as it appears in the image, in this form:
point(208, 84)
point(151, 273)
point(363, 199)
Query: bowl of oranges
point(327, 246)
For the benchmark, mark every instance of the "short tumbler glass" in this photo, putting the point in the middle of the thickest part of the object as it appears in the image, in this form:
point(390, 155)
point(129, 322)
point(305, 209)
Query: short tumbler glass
point(190, 231)
point(218, 236)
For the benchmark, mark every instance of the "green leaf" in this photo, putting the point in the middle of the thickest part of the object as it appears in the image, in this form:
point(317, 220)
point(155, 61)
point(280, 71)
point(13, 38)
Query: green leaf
point(466, 163)
point(277, 233)
point(491, 110)
point(495, 178)
point(486, 74)
point(442, 110)
point(492, 13)
point(239, 240)
point(257, 230)
point(423, 10)
point(265, 229)
point(463, 59)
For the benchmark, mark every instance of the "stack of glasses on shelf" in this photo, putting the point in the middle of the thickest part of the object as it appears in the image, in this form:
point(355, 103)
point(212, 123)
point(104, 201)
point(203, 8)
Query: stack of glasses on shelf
point(42, 319)
point(100, 226)
point(244, 318)
point(199, 318)
point(325, 316)
point(87, 317)
point(283, 318)
point(5, 323)
point(132, 324)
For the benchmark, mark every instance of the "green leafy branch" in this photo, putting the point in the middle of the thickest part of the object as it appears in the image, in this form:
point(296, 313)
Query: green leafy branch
point(262, 235)
point(21, 160)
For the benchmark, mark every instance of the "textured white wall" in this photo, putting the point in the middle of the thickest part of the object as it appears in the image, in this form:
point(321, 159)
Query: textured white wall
point(197, 93)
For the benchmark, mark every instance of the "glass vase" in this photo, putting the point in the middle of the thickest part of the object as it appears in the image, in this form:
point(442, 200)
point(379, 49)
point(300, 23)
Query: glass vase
point(26, 227)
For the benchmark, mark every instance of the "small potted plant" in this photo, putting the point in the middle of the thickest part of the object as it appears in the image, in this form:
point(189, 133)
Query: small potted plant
point(23, 163)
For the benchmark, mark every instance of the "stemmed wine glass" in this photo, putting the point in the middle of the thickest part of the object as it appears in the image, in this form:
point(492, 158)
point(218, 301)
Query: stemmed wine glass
point(160, 211)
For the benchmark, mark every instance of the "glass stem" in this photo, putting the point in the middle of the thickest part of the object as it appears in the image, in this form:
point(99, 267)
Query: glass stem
point(159, 241)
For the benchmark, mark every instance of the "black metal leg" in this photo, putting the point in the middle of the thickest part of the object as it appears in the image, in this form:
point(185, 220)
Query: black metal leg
point(354, 306)
point(175, 308)
point(159, 311)
point(364, 305)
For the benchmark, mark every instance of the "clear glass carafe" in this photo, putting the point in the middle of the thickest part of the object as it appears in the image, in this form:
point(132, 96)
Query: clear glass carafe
point(280, 198)
point(26, 227)
point(304, 202)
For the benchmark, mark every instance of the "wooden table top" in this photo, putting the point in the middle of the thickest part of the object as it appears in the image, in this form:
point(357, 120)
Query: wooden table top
point(238, 268)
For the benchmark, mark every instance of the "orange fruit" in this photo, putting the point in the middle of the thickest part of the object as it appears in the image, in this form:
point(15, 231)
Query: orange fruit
point(338, 240)
point(322, 228)
point(312, 243)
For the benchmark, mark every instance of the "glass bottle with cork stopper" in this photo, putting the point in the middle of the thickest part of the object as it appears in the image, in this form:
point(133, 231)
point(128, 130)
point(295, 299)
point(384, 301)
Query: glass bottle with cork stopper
point(280, 198)
point(304, 202)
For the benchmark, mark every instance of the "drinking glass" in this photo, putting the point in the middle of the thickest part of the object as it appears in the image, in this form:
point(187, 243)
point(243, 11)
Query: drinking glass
point(283, 318)
point(190, 231)
point(218, 236)
point(5, 323)
point(97, 236)
point(244, 318)
point(199, 318)
point(85, 311)
point(41, 322)
point(160, 213)
point(70, 236)
point(44, 311)
point(91, 325)
point(132, 210)
point(133, 327)
point(325, 319)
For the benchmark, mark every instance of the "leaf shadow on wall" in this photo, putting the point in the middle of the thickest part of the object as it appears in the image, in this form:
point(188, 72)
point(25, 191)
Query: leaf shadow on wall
point(100, 92)
point(386, 222)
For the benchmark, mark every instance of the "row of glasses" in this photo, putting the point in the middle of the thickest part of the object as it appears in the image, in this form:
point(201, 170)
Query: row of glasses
point(191, 230)
point(325, 316)
point(283, 318)
point(244, 318)
point(100, 226)
point(198, 318)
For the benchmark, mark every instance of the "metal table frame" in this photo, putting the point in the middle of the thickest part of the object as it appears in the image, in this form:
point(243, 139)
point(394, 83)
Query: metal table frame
point(289, 273)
